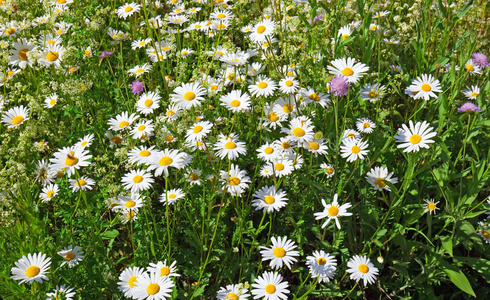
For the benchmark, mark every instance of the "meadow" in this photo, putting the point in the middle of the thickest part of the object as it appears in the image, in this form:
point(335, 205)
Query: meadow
point(244, 149)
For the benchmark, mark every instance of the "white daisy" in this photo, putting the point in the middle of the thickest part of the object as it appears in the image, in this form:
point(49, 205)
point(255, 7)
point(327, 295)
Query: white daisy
point(71, 159)
point(71, 255)
point(188, 95)
point(270, 286)
point(128, 279)
point(348, 68)
point(137, 180)
point(128, 10)
point(148, 102)
point(352, 149)
point(31, 268)
point(229, 146)
point(360, 267)
point(424, 87)
point(233, 292)
point(431, 206)
point(235, 101)
point(471, 92)
point(365, 125)
point(49, 191)
point(15, 116)
point(163, 160)
point(163, 269)
point(269, 199)
point(415, 137)
point(122, 121)
point(333, 211)
point(235, 181)
point(198, 131)
point(322, 265)
point(378, 176)
point(173, 196)
point(263, 86)
point(84, 183)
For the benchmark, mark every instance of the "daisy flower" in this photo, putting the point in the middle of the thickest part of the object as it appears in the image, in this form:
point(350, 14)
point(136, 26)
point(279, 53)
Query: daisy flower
point(377, 177)
point(484, 232)
point(128, 10)
point(45, 174)
point(472, 67)
point(280, 252)
point(270, 286)
point(172, 196)
point(263, 87)
point(52, 55)
point(137, 180)
point(186, 52)
point(269, 199)
point(235, 101)
point(188, 95)
point(194, 176)
point(48, 192)
point(333, 212)
point(365, 125)
point(162, 269)
point(142, 130)
point(254, 69)
point(271, 119)
point(372, 92)
point(288, 85)
point(360, 267)
point(352, 149)
point(128, 215)
point(122, 121)
point(71, 159)
point(61, 292)
point(431, 206)
point(238, 58)
point(311, 96)
point(328, 169)
point(31, 268)
point(153, 287)
point(86, 141)
point(162, 160)
point(134, 202)
point(235, 181)
point(317, 147)
point(284, 108)
point(148, 102)
point(262, 30)
point(139, 70)
point(348, 68)
point(229, 146)
point(269, 152)
point(415, 137)
point(51, 100)
point(322, 265)
point(282, 167)
point(172, 113)
point(233, 292)
point(15, 116)
point(471, 92)
point(18, 55)
point(71, 255)
point(300, 130)
point(140, 43)
point(84, 183)
point(345, 32)
point(424, 87)
point(198, 132)
point(128, 279)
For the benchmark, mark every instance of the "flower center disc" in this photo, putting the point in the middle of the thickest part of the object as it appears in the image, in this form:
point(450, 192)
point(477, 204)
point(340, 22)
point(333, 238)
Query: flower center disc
point(273, 117)
point(23, 54)
point(165, 161)
point(235, 103)
point(379, 182)
point(270, 289)
point(314, 146)
point(50, 194)
point(288, 108)
point(123, 124)
point(153, 288)
point(268, 150)
point(128, 9)
point(234, 181)
point(132, 280)
point(261, 29)
point(231, 296)
point(148, 102)
point(52, 56)
point(130, 203)
point(17, 120)
point(425, 87)
point(288, 83)
point(145, 153)
point(279, 167)
point(355, 149)
point(314, 97)
point(137, 179)
point(469, 68)
point(269, 200)
point(189, 96)
point(164, 271)
point(347, 72)
point(321, 261)
point(32, 271)
point(279, 252)
point(69, 256)
point(431, 206)
point(363, 268)
point(299, 132)
point(262, 85)
point(71, 161)
point(415, 139)
point(333, 211)
point(230, 145)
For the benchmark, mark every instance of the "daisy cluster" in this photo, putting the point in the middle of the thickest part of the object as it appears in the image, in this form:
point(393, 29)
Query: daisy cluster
point(206, 118)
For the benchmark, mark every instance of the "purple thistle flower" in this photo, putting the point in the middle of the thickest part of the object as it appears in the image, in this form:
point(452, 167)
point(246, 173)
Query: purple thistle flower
point(468, 106)
point(316, 19)
point(339, 86)
point(104, 54)
point(480, 59)
point(137, 87)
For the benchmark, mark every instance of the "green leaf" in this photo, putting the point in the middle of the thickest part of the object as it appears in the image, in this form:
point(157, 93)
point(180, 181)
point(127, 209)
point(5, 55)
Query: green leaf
point(457, 277)
point(481, 265)
point(447, 244)
point(109, 234)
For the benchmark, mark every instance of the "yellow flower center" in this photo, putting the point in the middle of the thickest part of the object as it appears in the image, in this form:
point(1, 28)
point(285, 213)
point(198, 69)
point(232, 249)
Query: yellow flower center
point(141, 127)
point(379, 182)
point(10, 31)
point(268, 150)
point(269, 200)
point(347, 72)
point(285, 145)
point(50, 42)
point(87, 53)
point(152, 288)
point(344, 37)
point(333, 211)
point(273, 117)
point(148, 102)
point(52, 102)
point(17, 120)
point(261, 29)
point(366, 125)
point(23, 54)
point(373, 94)
point(128, 9)
point(139, 71)
point(288, 108)
point(279, 252)
point(279, 167)
point(314, 146)
point(164, 271)
point(189, 96)
point(314, 97)
point(50, 194)
point(165, 161)
point(194, 176)
point(81, 182)
point(168, 138)
point(321, 261)
point(469, 67)
point(137, 179)
point(270, 289)
point(231, 296)
point(363, 268)
point(474, 94)
point(131, 281)
point(299, 132)
point(166, 48)
point(130, 203)
point(355, 149)
point(425, 87)
point(230, 145)
point(52, 56)
point(197, 129)
point(234, 181)
point(221, 16)
point(329, 170)
point(69, 256)
point(172, 196)
point(117, 140)
point(235, 103)
point(288, 83)
point(485, 234)
point(32, 271)
point(145, 153)
point(431, 206)
point(71, 160)
point(170, 113)
point(262, 85)
point(415, 139)
point(123, 124)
